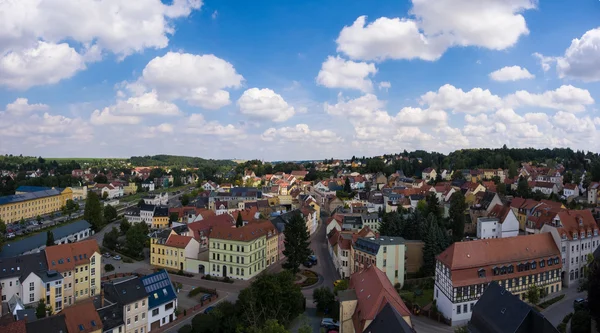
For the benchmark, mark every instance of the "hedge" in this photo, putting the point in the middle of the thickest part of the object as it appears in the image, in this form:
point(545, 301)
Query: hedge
point(551, 301)
point(198, 290)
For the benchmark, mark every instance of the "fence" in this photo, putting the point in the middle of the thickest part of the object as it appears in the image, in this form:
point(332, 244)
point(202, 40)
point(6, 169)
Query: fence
point(120, 275)
point(187, 314)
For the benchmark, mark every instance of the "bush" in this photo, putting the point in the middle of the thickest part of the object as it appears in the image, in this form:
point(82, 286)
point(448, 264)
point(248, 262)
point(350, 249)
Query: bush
point(209, 277)
point(199, 290)
point(562, 327)
point(567, 318)
point(109, 268)
point(551, 301)
point(581, 322)
point(127, 260)
point(185, 329)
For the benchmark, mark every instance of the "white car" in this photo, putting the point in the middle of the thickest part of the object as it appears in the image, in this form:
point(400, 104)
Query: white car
point(10, 235)
point(329, 322)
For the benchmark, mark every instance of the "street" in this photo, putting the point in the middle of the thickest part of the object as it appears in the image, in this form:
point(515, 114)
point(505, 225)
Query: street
point(557, 311)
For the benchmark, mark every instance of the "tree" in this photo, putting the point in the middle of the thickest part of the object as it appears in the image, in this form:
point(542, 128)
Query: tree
point(239, 222)
point(124, 226)
point(435, 243)
point(568, 177)
point(581, 322)
point(324, 298)
point(136, 238)
point(71, 207)
point(110, 213)
point(111, 239)
point(101, 179)
point(38, 219)
point(271, 326)
point(342, 285)
point(501, 189)
point(594, 291)
point(297, 244)
point(270, 296)
point(41, 310)
point(456, 213)
point(140, 203)
point(587, 179)
point(533, 294)
point(104, 195)
point(93, 211)
point(49, 239)
point(512, 170)
point(185, 199)
point(174, 217)
point(433, 206)
point(347, 187)
point(523, 190)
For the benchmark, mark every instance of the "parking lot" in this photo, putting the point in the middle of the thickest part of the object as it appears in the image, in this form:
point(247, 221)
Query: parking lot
point(32, 225)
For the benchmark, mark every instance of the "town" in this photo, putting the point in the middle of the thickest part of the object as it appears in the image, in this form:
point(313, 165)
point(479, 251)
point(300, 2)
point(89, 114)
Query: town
point(395, 242)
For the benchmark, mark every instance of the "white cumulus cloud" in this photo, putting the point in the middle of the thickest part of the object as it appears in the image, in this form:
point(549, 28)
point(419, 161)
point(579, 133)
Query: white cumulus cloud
point(21, 106)
point(339, 73)
point(512, 73)
point(582, 59)
point(449, 97)
point(265, 104)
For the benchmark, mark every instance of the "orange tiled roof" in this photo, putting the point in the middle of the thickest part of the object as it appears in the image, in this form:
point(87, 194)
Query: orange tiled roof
point(247, 233)
point(82, 315)
point(178, 241)
point(576, 221)
point(65, 257)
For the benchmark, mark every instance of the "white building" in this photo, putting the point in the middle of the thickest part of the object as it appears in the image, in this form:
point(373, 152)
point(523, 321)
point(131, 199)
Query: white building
point(576, 235)
point(501, 222)
point(571, 190)
point(148, 185)
point(110, 191)
point(160, 199)
point(547, 188)
point(162, 299)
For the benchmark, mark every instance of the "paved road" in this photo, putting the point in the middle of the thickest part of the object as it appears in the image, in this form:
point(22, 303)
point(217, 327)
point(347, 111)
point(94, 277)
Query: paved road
point(426, 325)
point(557, 311)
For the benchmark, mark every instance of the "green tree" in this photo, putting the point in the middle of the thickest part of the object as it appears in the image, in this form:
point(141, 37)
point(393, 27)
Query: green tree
point(270, 296)
point(104, 195)
point(456, 213)
point(239, 222)
point(512, 170)
point(533, 294)
point(342, 285)
point(124, 226)
point(174, 217)
point(324, 298)
point(137, 237)
point(433, 206)
point(41, 310)
point(587, 179)
point(501, 189)
point(49, 239)
point(594, 290)
point(110, 213)
point(568, 177)
point(93, 211)
point(71, 206)
point(435, 243)
point(581, 322)
point(271, 326)
point(297, 243)
point(523, 190)
point(347, 187)
point(38, 219)
point(111, 239)
point(185, 199)
point(140, 203)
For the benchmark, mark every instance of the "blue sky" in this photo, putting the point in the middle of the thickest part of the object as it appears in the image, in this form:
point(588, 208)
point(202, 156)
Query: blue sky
point(296, 80)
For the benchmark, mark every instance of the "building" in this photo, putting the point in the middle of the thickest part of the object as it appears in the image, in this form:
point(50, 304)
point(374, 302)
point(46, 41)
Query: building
point(80, 265)
point(21, 276)
point(570, 190)
point(131, 296)
point(162, 299)
point(148, 185)
point(83, 318)
point(372, 221)
point(575, 233)
point(465, 269)
point(239, 253)
point(157, 199)
point(367, 302)
point(170, 250)
point(160, 218)
point(27, 205)
point(53, 324)
point(72, 232)
point(499, 311)
point(201, 230)
point(79, 192)
point(386, 253)
point(500, 223)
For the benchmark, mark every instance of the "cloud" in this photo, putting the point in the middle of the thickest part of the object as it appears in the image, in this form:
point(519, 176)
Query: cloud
point(145, 104)
point(21, 106)
point(214, 14)
point(512, 73)
point(154, 131)
point(197, 124)
point(107, 117)
point(264, 104)
point(384, 85)
point(566, 97)
point(200, 80)
point(571, 124)
point(339, 73)
point(46, 63)
point(436, 26)
point(449, 97)
point(544, 61)
point(582, 59)
point(364, 109)
point(300, 133)
point(418, 117)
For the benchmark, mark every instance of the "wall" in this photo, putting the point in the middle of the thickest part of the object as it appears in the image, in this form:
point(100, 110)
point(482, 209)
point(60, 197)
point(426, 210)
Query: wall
point(10, 287)
point(37, 289)
point(414, 254)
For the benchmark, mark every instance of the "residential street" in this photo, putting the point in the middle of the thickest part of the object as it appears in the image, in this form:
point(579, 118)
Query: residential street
point(557, 311)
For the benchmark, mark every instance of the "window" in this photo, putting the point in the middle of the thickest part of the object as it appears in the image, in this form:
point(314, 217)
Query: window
point(31, 286)
point(128, 321)
point(169, 306)
point(136, 305)
point(458, 309)
point(128, 308)
point(143, 302)
point(465, 308)
point(542, 263)
point(155, 312)
point(136, 319)
point(384, 262)
point(143, 315)
point(385, 250)
point(481, 273)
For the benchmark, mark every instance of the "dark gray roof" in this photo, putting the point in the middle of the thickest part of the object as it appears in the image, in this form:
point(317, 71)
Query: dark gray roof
point(54, 324)
point(26, 188)
point(125, 292)
point(147, 207)
point(27, 314)
point(22, 266)
point(27, 244)
point(28, 196)
point(499, 311)
point(352, 219)
point(388, 320)
point(384, 240)
point(161, 211)
point(111, 316)
point(50, 276)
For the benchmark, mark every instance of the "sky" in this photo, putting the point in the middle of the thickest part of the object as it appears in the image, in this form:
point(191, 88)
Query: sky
point(295, 80)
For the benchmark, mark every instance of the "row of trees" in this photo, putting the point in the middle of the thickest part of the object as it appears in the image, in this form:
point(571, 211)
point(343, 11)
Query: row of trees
point(128, 239)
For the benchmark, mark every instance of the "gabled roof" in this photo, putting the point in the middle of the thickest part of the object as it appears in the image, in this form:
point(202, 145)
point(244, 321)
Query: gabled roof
point(499, 311)
point(247, 233)
point(178, 241)
point(19, 326)
point(203, 228)
point(65, 257)
point(125, 291)
point(53, 324)
point(500, 211)
point(22, 266)
point(388, 320)
point(576, 221)
point(159, 288)
point(82, 318)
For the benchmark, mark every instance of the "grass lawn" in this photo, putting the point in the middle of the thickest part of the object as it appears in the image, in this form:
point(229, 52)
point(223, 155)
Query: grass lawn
point(422, 300)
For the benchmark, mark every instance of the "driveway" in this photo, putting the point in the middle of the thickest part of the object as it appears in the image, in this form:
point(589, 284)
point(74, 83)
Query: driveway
point(426, 325)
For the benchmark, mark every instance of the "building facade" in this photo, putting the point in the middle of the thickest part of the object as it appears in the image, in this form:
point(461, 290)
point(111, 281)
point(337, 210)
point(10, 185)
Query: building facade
point(132, 297)
point(15, 207)
point(162, 299)
point(386, 253)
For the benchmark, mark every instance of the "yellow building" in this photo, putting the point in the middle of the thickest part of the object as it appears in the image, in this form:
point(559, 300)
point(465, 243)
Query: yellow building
point(78, 271)
point(272, 246)
point(170, 250)
point(130, 188)
point(27, 205)
point(160, 219)
point(239, 253)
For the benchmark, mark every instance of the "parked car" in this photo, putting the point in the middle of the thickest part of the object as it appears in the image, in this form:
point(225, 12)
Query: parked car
point(106, 255)
point(329, 323)
point(308, 264)
point(580, 303)
point(206, 297)
point(313, 259)
point(117, 257)
point(10, 235)
point(337, 282)
point(208, 309)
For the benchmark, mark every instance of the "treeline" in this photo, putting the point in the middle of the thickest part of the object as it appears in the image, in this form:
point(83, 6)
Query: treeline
point(179, 161)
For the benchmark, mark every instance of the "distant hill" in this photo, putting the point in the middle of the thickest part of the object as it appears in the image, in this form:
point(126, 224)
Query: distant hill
point(174, 160)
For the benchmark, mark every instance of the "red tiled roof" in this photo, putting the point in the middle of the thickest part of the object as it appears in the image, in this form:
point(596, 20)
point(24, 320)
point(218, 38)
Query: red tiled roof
point(82, 314)
point(249, 232)
point(178, 241)
point(570, 186)
point(15, 327)
point(373, 291)
point(576, 221)
point(203, 227)
point(499, 211)
point(62, 257)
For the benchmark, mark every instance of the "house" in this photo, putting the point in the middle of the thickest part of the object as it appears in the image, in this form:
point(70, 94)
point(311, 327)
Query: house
point(157, 199)
point(170, 250)
point(162, 299)
point(387, 253)
point(575, 233)
point(239, 253)
point(20, 274)
point(160, 218)
point(464, 270)
point(201, 230)
point(109, 191)
point(547, 188)
point(429, 174)
point(570, 190)
point(82, 318)
point(500, 223)
point(499, 311)
point(592, 193)
point(130, 294)
point(371, 293)
point(148, 185)
point(73, 232)
point(210, 186)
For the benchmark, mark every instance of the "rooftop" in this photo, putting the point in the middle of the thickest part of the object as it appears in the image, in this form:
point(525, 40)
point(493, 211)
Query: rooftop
point(53, 324)
point(246, 233)
point(159, 288)
point(64, 257)
point(22, 266)
point(125, 291)
point(28, 196)
point(82, 318)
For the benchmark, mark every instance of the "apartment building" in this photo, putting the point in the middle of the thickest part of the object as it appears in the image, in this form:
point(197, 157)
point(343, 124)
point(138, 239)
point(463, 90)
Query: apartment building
point(160, 218)
point(239, 253)
point(131, 296)
point(386, 253)
point(21, 276)
point(162, 299)
point(464, 270)
point(170, 250)
point(27, 205)
point(80, 266)
point(575, 233)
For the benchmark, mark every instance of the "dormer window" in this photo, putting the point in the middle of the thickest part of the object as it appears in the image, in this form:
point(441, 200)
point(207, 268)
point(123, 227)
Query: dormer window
point(582, 234)
point(556, 261)
point(549, 262)
point(533, 265)
point(596, 232)
point(481, 273)
point(564, 236)
point(574, 235)
point(542, 264)
point(496, 271)
point(589, 234)
point(511, 269)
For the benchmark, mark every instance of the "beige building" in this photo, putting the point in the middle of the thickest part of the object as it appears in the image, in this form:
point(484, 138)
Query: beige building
point(132, 296)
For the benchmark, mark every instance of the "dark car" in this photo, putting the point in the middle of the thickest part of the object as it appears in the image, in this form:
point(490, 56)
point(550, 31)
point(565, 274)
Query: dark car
point(208, 309)
point(206, 297)
point(308, 264)
point(580, 303)
point(313, 259)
